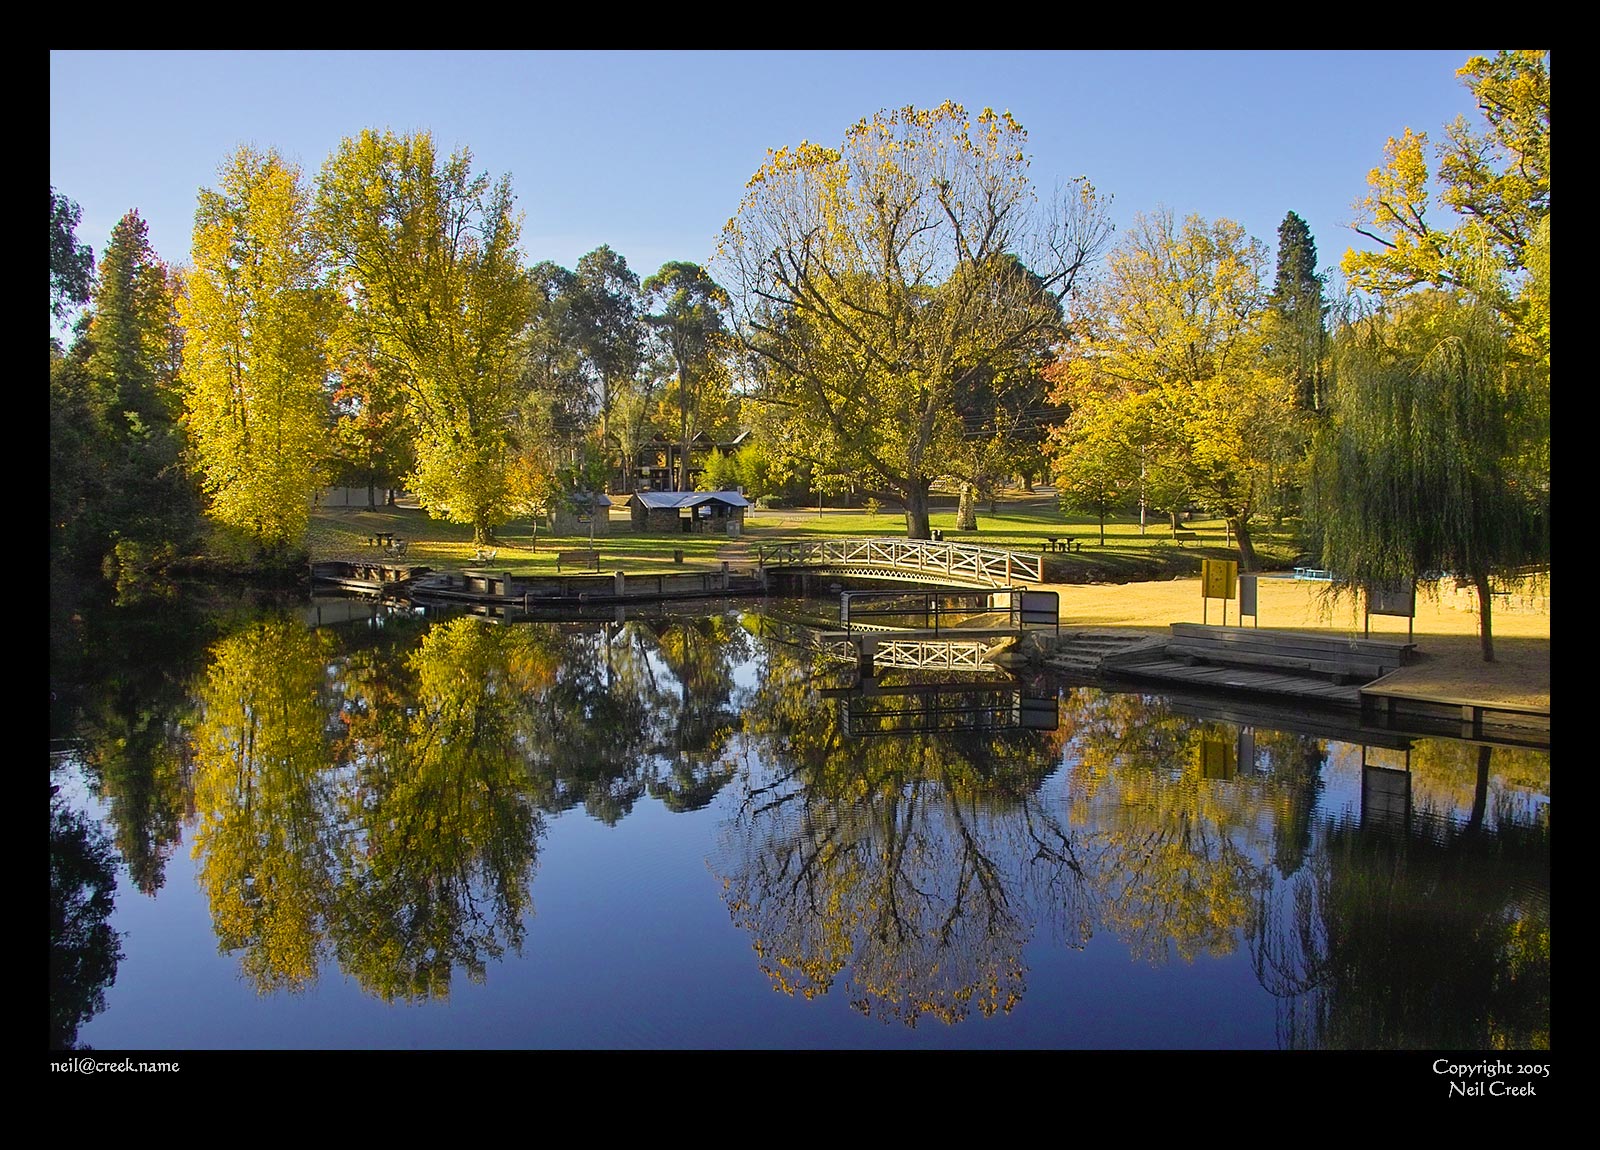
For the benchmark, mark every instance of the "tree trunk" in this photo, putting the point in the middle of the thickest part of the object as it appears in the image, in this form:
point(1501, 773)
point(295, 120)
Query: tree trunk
point(1485, 633)
point(967, 510)
point(1247, 552)
point(915, 494)
point(683, 416)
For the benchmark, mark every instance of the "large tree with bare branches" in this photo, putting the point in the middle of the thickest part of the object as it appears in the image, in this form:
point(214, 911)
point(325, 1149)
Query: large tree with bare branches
point(880, 285)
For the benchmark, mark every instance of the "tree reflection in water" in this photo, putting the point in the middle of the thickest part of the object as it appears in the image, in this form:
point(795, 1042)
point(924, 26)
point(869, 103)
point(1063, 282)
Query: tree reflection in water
point(377, 796)
point(900, 863)
point(404, 836)
point(84, 950)
point(1431, 935)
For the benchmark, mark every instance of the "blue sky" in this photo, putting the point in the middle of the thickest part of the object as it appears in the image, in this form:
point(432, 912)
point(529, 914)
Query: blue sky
point(649, 151)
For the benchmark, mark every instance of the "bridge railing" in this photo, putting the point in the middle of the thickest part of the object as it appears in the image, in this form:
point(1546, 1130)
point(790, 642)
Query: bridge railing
point(965, 561)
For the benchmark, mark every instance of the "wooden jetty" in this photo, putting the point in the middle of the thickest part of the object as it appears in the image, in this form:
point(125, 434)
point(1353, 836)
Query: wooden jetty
point(504, 589)
point(1322, 669)
point(381, 580)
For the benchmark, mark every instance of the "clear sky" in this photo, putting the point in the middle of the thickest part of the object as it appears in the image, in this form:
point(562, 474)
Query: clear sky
point(649, 151)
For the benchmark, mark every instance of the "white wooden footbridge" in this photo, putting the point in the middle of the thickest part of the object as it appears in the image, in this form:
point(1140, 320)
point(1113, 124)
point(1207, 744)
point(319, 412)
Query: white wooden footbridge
point(915, 560)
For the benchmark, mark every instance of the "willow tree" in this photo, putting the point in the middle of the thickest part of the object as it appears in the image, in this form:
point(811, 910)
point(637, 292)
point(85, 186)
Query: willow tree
point(877, 282)
point(429, 262)
point(1423, 473)
point(1441, 457)
point(256, 316)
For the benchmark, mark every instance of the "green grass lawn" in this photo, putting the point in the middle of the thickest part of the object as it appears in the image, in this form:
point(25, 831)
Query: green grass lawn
point(1020, 523)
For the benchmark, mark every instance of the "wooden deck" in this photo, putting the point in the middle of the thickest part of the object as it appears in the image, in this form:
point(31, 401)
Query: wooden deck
point(1321, 669)
point(1522, 722)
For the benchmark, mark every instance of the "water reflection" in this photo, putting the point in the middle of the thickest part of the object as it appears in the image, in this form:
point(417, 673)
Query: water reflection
point(84, 949)
point(1434, 933)
point(376, 797)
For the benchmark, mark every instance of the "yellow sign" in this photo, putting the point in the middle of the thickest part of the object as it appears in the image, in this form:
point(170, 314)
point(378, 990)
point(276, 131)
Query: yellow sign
point(1218, 578)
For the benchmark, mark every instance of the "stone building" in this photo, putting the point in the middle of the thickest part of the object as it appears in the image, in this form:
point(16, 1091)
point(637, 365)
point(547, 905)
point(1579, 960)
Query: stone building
point(572, 516)
point(687, 512)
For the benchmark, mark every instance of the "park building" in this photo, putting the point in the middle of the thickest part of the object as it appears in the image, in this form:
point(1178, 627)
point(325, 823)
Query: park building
point(655, 468)
point(688, 512)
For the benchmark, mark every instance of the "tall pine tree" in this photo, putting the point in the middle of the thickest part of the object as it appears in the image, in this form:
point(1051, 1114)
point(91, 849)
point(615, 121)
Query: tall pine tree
point(125, 373)
point(1297, 326)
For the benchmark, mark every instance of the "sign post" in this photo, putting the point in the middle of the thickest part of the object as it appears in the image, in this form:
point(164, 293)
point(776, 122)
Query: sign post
point(1247, 599)
point(1392, 599)
point(1219, 579)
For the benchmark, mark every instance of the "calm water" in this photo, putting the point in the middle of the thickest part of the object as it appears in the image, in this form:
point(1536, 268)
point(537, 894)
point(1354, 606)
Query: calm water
point(676, 831)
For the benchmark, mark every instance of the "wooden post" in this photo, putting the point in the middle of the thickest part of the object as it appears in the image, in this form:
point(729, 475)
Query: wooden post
point(864, 657)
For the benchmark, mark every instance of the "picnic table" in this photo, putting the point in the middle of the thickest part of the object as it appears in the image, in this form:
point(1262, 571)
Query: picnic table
point(1060, 543)
point(382, 539)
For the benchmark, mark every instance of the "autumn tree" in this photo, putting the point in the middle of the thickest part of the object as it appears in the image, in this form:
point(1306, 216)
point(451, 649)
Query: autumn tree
point(428, 258)
point(256, 318)
point(1168, 347)
point(1098, 469)
point(1493, 180)
point(373, 432)
point(878, 281)
point(687, 308)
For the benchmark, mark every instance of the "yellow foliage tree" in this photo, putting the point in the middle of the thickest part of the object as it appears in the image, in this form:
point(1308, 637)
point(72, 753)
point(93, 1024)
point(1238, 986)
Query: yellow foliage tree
point(1495, 181)
point(885, 284)
point(429, 260)
point(256, 317)
point(1168, 367)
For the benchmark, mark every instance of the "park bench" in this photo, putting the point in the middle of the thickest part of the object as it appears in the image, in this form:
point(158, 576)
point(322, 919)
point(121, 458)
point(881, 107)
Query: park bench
point(398, 547)
point(590, 559)
point(1180, 536)
point(486, 554)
